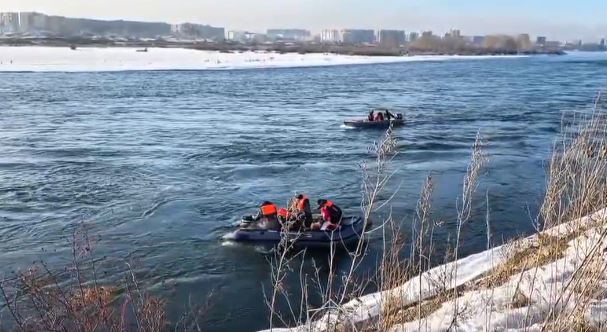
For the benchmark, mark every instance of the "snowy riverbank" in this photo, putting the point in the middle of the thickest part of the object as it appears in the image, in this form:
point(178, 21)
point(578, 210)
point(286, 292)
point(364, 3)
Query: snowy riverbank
point(49, 59)
point(492, 299)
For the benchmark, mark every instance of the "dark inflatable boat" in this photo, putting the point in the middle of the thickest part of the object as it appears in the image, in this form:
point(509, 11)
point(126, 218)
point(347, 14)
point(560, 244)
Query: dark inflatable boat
point(374, 124)
point(391, 119)
point(350, 231)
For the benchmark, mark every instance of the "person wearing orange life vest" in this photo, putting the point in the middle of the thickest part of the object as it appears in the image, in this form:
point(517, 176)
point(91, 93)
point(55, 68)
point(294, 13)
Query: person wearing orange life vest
point(331, 216)
point(268, 216)
point(301, 211)
point(283, 217)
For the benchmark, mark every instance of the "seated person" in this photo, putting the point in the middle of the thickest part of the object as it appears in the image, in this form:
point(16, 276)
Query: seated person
point(331, 216)
point(371, 116)
point(300, 211)
point(379, 116)
point(267, 217)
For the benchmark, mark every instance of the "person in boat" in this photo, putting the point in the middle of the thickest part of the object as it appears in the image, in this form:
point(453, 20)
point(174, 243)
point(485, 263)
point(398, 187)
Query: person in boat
point(331, 216)
point(284, 218)
point(379, 116)
point(300, 211)
point(388, 115)
point(371, 116)
point(267, 217)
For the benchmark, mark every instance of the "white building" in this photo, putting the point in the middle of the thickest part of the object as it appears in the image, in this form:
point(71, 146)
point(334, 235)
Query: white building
point(245, 36)
point(330, 36)
point(238, 36)
point(9, 23)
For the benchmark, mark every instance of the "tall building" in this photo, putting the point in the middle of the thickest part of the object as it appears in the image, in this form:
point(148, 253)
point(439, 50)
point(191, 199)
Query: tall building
point(427, 34)
point(238, 36)
point(9, 23)
point(32, 22)
point(540, 41)
point(198, 31)
point(36, 23)
point(413, 36)
point(523, 41)
point(602, 44)
point(289, 34)
point(24, 22)
point(330, 36)
point(391, 38)
point(456, 33)
point(358, 36)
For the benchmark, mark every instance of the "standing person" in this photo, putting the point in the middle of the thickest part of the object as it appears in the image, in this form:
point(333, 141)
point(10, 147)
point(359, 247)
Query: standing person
point(300, 208)
point(388, 115)
point(331, 216)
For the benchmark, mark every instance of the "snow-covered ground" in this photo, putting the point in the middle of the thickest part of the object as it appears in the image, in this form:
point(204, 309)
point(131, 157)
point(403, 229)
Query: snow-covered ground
point(40, 58)
point(547, 287)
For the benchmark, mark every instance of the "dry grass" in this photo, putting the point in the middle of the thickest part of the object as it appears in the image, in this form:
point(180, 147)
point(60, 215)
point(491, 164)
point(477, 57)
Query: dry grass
point(576, 187)
point(37, 303)
point(39, 299)
point(394, 312)
point(578, 325)
point(547, 249)
point(519, 300)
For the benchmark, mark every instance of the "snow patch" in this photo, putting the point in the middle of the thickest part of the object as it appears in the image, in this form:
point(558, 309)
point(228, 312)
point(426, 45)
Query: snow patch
point(63, 59)
point(492, 309)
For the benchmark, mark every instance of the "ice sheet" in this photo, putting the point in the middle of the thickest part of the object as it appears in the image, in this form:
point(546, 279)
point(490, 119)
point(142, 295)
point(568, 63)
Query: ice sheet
point(63, 59)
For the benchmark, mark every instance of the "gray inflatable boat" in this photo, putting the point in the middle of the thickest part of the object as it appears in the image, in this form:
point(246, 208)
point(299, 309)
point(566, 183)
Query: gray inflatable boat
point(374, 124)
point(350, 231)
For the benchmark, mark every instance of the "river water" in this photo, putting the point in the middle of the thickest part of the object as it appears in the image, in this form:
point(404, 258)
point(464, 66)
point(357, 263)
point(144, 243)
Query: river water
point(158, 164)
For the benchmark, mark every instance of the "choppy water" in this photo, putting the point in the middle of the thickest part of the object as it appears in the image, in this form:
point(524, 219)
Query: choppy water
point(159, 163)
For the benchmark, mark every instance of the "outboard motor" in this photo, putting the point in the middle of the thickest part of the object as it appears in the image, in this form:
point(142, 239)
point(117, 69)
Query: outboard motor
point(246, 221)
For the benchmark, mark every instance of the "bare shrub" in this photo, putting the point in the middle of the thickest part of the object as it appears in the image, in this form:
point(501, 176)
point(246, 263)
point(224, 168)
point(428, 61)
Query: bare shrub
point(41, 300)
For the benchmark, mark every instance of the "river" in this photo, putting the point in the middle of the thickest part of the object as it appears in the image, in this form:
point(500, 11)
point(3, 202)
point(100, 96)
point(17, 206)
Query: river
point(158, 164)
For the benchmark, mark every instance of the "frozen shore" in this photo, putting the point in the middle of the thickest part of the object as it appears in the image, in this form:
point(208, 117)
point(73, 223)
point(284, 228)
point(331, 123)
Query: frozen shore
point(63, 59)
point(546, 290)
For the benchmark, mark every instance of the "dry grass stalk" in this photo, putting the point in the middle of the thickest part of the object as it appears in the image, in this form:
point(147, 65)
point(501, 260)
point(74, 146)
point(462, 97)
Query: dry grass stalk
point(478, 160)
point(38, 301)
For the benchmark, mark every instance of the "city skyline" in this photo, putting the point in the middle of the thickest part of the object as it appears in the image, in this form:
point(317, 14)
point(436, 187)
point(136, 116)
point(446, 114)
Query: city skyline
point(560, 20)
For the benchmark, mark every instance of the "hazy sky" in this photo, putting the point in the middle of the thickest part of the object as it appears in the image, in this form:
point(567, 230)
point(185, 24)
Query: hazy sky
point(558, 19)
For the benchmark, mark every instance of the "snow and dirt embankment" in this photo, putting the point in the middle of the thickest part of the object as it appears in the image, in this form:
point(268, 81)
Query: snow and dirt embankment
point(557, 276)
point(41, 58)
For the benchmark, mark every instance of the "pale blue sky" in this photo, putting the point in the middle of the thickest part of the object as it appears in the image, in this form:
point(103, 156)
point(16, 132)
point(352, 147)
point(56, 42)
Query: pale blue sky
point(558, 19)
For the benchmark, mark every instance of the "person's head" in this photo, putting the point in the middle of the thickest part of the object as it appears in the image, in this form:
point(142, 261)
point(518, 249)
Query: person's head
point(299, 196)
point(321, 203)
point(266, 203)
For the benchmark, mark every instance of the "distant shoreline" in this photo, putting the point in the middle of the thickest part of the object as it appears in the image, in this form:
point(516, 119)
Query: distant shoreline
point(42, 58)
point(283, 48)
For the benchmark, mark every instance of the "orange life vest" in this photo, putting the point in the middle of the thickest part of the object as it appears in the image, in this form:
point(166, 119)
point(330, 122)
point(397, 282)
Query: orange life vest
point(269, 210)
point(333, 211)
point(283, 213)
point(301, 203)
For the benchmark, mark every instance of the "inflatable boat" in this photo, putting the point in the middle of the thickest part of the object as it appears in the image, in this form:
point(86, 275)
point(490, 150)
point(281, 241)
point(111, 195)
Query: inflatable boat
point(374, 124)
point(350, 230)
